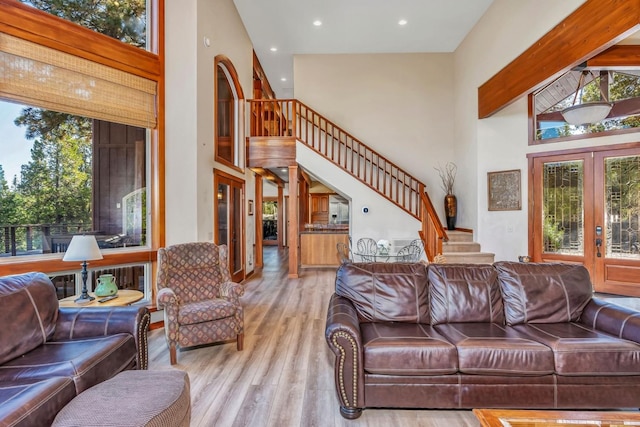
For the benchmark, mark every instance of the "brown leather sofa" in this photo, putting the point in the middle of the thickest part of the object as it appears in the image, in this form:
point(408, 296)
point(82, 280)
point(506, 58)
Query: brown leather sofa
point(48, 354)
point(511, 335)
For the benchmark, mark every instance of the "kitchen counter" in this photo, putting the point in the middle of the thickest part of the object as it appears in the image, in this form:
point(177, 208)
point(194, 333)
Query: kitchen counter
point(318, 247)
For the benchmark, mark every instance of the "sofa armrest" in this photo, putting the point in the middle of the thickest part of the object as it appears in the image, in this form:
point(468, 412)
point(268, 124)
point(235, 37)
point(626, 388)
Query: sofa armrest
point(342, 333)
point(232, 291)
point(613, 319)
point(94, 322)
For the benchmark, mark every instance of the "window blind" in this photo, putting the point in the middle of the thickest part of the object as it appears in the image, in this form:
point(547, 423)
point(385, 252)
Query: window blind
point(43, 77)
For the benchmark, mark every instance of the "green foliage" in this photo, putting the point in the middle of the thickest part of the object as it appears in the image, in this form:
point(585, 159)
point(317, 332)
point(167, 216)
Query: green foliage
point(552, 236)
point(124, 20)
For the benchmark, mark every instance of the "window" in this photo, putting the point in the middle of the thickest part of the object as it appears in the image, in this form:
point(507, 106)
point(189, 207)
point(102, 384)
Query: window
point(229, 123)
point(620, 88)
point(87, 114)
point(124, 20)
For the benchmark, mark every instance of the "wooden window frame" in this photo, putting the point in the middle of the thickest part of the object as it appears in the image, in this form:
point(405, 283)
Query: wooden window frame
point(47, 30)
point(234, 81)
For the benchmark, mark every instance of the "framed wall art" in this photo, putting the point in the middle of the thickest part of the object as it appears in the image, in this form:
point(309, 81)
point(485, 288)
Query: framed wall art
point(503, 188)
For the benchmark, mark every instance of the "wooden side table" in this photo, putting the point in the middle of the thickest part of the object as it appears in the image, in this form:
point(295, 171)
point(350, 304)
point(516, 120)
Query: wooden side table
point(125, 297)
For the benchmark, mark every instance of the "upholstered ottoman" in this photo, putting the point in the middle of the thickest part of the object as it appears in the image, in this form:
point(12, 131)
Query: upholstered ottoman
point(132, 398)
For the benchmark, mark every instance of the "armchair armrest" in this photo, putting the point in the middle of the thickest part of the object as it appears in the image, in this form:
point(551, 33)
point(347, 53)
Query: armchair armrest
point(342, 333)
point(613, 319)
point(231, 291)
point(94, 322)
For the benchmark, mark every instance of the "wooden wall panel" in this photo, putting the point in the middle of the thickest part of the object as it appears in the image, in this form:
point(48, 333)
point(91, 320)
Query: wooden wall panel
point(270, 152)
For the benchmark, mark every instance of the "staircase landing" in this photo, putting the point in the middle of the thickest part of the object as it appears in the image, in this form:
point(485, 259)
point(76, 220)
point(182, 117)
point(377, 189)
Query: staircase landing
point(461, 249)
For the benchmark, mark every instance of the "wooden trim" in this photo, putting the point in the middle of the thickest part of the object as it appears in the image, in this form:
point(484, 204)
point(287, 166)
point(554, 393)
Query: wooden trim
point(617, 57)
point(235, 133)
point(595, 26)
point(54, 263)
point(292, 224)
point(48, 30)
point(594, 149)
point(258, 259)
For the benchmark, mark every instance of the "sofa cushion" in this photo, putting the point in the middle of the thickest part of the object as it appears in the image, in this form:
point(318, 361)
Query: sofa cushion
point(543, 293)
point(406, 349)
point(578, 350)
point(87, 361)
point(29, 304)
point(464, 293)
point(383, 292)
point(492, 349)
point(34, 402)
point(205, 311)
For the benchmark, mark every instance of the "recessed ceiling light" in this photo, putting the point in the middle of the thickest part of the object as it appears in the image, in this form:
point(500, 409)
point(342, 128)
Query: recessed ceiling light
point(284, 169)
point(274, 49)
point(283, 79)
point(317, 22)
point(402, 22)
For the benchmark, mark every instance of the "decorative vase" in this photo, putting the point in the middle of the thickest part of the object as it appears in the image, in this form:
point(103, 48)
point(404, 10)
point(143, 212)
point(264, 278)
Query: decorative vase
point(106, 286)
point(450, 210)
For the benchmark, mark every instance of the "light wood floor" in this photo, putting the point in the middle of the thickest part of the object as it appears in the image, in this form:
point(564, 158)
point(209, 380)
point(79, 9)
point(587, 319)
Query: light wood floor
point(284, 375)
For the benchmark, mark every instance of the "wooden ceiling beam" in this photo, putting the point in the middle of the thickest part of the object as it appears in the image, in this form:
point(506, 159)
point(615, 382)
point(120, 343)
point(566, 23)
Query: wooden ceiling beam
point(592, 28)
point(269, 176)
point(618, 57)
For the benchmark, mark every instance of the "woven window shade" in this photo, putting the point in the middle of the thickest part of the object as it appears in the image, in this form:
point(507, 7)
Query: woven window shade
point(43, 77)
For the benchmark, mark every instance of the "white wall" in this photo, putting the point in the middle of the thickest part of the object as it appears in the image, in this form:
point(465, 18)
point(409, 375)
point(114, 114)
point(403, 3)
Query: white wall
point(181, 201)
point(400, 105)
point(190, 113)
point(501, 141)
point(383, 221)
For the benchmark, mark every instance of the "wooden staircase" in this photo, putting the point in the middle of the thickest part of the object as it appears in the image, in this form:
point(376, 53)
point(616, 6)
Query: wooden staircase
point(461, 249)
point(278, 124)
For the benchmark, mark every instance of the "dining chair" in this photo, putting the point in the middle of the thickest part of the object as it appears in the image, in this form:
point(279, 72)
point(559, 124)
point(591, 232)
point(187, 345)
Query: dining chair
point(344, 252)
point(419, 243)
point(409, 253)
point(367, 248)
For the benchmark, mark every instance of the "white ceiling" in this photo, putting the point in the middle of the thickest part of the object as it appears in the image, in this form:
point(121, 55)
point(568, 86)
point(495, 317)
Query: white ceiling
point(351, 26)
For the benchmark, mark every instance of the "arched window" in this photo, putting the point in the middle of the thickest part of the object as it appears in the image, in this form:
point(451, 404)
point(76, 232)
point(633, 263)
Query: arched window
point(229, 113)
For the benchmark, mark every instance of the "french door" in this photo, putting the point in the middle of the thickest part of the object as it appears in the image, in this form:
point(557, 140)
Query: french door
point(228, 221)
point(586, 210)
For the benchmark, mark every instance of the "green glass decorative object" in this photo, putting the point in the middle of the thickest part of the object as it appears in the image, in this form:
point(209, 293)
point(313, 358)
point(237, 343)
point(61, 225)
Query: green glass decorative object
point(106, 285)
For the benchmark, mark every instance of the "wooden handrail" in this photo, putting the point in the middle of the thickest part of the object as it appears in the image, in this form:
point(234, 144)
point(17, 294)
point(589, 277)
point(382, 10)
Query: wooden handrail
point(432, 232)
point(292, 118)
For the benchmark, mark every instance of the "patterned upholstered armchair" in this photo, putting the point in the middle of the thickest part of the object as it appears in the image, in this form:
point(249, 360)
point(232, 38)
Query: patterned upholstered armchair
point(201, 304)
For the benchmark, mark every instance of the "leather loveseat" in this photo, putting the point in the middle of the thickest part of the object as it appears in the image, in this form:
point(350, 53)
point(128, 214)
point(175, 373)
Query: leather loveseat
point(48, 354)
point(508, 335)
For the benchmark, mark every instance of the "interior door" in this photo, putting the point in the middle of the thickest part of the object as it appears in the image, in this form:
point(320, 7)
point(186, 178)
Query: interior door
point(586, 208)
point(228, 221)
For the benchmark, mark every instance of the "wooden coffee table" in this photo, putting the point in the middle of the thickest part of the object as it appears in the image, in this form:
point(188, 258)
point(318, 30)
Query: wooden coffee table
point(125, 297)
point(535, 418)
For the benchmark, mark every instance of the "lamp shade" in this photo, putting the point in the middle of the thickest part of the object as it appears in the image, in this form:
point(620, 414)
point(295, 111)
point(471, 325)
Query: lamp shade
point(589, 112)
point(82, 248)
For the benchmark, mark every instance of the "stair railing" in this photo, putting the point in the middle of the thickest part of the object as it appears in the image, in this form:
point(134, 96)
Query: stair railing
point(432, 232)
point(292, 118)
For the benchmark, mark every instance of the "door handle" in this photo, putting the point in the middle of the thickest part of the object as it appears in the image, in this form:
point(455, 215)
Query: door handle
point(598, 245)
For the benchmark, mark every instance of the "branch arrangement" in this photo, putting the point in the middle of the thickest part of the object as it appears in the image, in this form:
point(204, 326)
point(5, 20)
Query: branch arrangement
point(447, 175)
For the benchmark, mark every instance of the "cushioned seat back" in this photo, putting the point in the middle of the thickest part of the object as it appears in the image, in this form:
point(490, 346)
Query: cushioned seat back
point(383, 292)
point(28, 314)
point(464, 293)
point(543, 292)
point(194, 271)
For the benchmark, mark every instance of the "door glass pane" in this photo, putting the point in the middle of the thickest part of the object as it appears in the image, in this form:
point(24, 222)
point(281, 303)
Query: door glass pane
point(563, 228)
point(237, 230)
point(622, 206)
point(223, 214)
point(270, 220)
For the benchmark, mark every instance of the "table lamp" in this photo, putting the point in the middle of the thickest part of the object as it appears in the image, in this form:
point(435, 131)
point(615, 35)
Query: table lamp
point(83, 248)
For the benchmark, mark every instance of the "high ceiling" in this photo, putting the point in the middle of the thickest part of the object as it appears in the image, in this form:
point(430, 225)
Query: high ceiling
point(351, 26)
